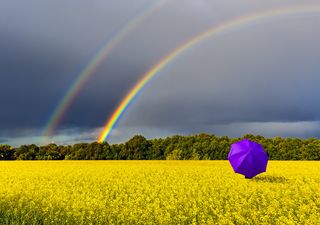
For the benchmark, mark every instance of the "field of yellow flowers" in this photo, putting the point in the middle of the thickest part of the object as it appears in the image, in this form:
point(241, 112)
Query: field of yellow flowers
point(157, 192)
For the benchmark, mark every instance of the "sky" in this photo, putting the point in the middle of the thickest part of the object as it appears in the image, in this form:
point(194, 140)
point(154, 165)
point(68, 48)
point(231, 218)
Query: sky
point(261, 78)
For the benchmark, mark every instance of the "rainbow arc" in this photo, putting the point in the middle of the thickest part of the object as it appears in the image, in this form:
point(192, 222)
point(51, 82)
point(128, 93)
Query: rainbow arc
point(92, 66)
point(210, 33)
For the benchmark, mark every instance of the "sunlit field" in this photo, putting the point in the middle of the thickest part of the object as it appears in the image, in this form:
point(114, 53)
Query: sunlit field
point(157, 192)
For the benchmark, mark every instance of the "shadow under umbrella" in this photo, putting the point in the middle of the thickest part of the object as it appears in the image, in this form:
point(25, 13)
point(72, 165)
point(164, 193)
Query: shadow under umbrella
point(270, 179)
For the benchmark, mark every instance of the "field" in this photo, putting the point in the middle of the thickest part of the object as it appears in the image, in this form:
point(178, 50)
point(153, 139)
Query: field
point(157, 192)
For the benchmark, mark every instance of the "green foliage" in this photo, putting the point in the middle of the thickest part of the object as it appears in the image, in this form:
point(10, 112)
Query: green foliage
point(92, 151)
point(50, 152)
point(201, 146)
point(27, 152)
point(137, 147)
point(6, 152)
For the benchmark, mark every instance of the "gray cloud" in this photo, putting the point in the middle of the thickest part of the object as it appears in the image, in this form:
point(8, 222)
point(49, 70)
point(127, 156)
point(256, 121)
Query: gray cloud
point(266, 73)
point(3, 140)
point(63, 137)
point(302, 129)
point(259, 74)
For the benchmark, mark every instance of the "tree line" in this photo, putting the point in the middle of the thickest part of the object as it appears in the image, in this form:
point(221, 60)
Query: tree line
point(196, 147)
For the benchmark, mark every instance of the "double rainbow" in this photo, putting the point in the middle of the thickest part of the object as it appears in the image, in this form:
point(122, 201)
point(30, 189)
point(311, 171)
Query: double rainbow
point(93, 64)
point(214, 31)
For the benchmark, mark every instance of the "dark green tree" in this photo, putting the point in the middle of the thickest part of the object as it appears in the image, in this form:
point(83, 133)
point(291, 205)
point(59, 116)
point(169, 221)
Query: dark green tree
point(6, 152)
point(27, 152)
point(138, 147)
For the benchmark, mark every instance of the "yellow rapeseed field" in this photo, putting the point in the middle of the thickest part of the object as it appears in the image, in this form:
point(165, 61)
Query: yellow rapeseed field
point(157, 192)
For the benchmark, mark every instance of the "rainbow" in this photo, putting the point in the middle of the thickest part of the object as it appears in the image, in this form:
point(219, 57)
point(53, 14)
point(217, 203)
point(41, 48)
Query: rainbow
point(92, 66)
point(214, 31)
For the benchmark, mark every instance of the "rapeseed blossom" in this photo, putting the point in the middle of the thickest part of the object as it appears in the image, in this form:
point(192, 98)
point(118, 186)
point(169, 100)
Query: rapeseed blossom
point(157, 192)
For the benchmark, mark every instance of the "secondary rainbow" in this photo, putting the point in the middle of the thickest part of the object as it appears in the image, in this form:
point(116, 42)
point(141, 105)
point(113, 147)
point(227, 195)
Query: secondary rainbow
point(93, 64)
point(219, 29)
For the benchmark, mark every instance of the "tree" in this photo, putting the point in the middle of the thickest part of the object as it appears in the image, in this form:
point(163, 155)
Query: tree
point(201, 146)
point(50, 152)
point(138, 147)
point(6, 152)
point(175, 155)
point(27, 152)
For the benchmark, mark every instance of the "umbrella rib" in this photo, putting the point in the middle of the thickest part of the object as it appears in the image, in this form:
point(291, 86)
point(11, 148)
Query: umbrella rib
point(244, 157)
point(238, 153)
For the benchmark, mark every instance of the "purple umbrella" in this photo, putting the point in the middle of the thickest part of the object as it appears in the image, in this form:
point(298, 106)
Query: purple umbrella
point(248, 158)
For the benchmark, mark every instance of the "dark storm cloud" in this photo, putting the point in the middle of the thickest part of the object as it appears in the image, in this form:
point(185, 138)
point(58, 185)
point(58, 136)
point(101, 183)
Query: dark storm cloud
point(98, 99)
point(29, 72)
point(244, 81)
point(44, 45)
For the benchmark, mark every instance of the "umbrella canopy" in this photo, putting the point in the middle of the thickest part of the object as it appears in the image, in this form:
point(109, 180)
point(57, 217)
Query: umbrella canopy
point(248, 158)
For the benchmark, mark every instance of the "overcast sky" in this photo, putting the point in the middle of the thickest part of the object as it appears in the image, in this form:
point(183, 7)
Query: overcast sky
point(261, 79)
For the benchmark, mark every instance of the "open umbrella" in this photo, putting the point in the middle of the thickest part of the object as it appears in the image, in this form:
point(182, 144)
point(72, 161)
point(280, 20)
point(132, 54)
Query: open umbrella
point(248, 158)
